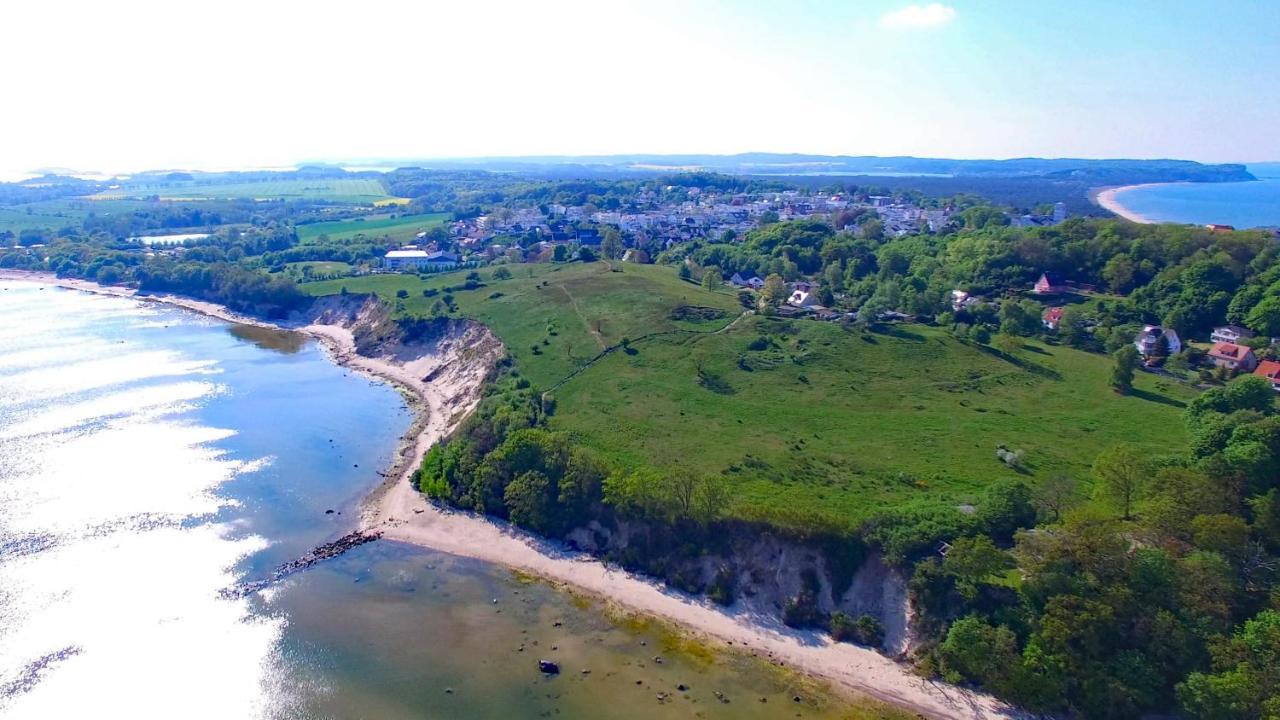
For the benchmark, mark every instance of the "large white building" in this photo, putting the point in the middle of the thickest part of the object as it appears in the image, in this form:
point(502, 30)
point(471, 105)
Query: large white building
point(413, 258)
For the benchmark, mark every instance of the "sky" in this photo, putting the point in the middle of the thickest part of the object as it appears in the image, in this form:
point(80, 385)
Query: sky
point(127, 85)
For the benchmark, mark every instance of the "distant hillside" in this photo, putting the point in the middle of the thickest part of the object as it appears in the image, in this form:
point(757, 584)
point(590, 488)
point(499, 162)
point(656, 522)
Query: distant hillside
point(1099, 172)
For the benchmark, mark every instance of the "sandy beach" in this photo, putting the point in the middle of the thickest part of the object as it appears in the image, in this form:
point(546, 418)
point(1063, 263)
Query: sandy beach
point(1107, 198)
point(404, 515)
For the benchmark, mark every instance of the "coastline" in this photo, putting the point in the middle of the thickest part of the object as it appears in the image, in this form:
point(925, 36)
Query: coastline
point(1107, 197)
point(401, 514)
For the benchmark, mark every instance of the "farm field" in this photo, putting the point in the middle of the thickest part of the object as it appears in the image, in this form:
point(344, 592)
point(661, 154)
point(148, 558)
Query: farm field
point(401, 228)
point(806, 418)
point(364, 190)
point(57, 214)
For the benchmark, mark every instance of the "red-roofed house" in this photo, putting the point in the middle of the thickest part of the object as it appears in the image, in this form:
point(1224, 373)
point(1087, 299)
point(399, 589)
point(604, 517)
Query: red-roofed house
point(1233, 357)
point(1269, 369)
point(1052, 317)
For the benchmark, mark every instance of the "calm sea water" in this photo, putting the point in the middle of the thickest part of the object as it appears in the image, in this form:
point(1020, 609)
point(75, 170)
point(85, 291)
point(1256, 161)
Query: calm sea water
point(1243, 204)
point(150, 458)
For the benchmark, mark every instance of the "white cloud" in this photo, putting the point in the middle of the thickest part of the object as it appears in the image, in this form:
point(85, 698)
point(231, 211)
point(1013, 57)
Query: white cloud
point(919, 16)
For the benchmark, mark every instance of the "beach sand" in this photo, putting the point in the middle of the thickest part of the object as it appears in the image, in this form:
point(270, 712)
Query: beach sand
point(1107, 198)
point(404, 515)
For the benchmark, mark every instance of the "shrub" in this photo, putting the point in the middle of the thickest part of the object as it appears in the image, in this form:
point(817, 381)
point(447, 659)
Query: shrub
point(865, 630)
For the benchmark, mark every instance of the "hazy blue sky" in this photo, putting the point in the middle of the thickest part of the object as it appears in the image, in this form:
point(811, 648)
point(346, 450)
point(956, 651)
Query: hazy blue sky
point(134, 84)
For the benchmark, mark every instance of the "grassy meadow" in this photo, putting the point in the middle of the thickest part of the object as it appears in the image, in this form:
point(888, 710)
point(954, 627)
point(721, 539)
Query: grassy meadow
point(804, 417)
point(556, 318)
point(401, 228)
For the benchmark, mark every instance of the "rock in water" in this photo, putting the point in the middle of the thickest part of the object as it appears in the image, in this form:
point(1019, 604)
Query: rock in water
point(548, 667)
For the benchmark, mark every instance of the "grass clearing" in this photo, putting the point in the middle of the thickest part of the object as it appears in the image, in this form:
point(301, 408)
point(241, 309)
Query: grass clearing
point(401, 228)
point(569, 313)
point(805, 418)
point(318, 269)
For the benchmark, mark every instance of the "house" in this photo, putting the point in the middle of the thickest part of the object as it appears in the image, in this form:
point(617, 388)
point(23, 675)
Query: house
point(1230, 334)
point(802, 298)
point(961, 300)
point(1148, 340)
point(1214, 227)
point(1052, 318)
point(1049, 284)
point(1270, 370)
point(416, 259)
point(738, 280)
point(1233, 357)
point(802, 286)
point(755, 283)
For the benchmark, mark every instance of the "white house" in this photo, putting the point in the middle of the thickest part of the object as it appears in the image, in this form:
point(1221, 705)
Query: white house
point(1149, 336)
point(1230, 334)
point(802, 298)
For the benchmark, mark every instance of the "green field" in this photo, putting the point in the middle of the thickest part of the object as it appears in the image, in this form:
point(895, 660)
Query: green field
point(817, 418)
point(353, 191)
point(401, 228)
point(586, 306)
point(57, 214)
point(318, 268)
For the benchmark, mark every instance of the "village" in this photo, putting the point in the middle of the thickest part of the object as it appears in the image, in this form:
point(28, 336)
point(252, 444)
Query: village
point(651, 223)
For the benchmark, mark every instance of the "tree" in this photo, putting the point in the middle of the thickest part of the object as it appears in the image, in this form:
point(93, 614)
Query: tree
point(530, 501)
point(980, 334)
point(502, 273)
point(977, 651)
point(1072, 327)
point(1055, 495)
point(1118, 273)
point(1246, 679)
point(746, 299)
point(775, 290)
point(1264, 318)
point(1126, 360)
point(1122, 471)
point(1019, 318)
point(711, 279)
point(971, 560)
point(1006, 507)
point(1007, 344)
point(611, 244)
point(711, 498)
point(685, 272)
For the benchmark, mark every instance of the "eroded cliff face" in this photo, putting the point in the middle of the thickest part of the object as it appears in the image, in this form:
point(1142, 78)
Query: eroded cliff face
point(444, 360)
point(767, 571)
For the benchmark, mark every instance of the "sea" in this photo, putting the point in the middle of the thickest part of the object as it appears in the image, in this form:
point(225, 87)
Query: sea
point(151, 459)
point(1240, 204)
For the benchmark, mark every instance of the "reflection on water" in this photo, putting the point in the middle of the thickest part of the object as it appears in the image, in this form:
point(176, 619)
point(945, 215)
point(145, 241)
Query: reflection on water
point(287, 342)
point(150, 458)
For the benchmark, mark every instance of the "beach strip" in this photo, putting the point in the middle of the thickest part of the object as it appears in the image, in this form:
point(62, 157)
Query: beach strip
point(1108, 199)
